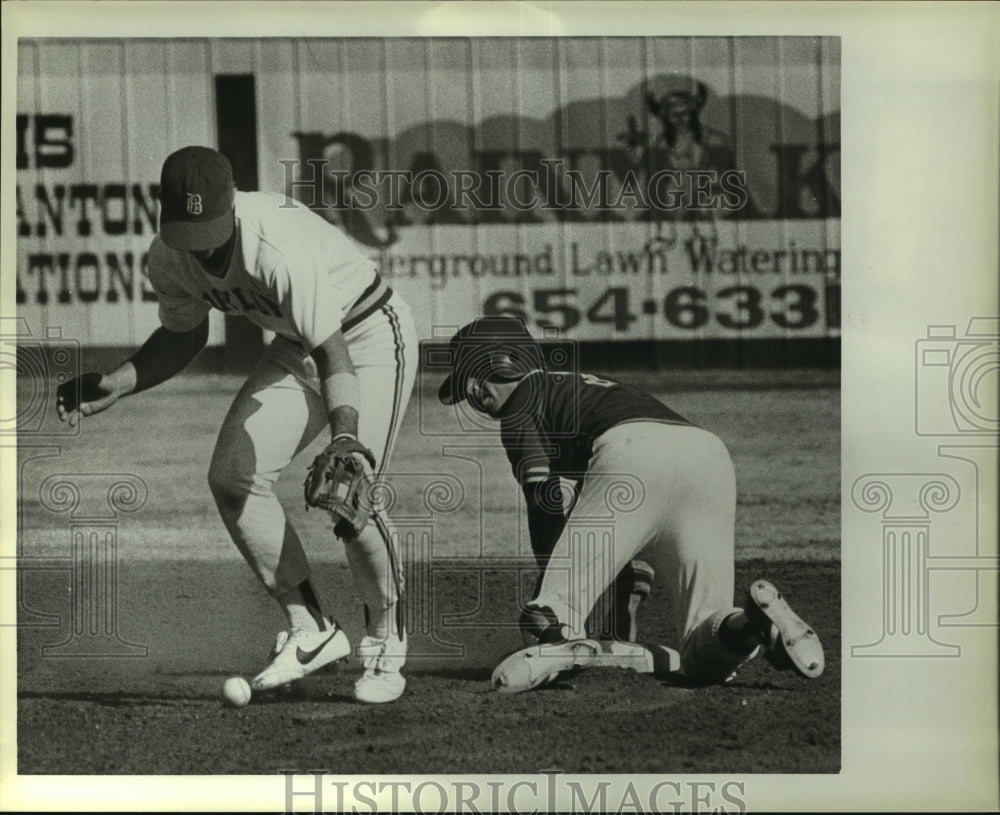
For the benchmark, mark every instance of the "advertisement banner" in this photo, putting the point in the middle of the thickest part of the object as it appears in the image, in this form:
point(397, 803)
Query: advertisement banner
point(609, 188)
point(762, 279)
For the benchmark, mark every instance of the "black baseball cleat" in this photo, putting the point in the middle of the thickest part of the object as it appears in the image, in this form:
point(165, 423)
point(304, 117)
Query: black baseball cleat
point(789, 643)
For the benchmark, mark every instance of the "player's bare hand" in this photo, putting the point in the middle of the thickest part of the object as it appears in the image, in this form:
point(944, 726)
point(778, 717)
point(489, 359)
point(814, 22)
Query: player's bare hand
point(84, 396)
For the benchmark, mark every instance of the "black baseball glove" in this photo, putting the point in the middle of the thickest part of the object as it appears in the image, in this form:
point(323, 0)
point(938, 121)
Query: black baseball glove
point(338, 481)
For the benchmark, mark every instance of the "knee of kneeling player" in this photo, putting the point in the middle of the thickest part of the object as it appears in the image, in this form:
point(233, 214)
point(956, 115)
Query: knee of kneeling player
point(539, 626)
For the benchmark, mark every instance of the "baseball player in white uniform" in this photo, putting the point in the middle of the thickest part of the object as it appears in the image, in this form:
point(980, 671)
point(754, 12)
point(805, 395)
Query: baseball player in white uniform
point(343, 357)
point(566, 427)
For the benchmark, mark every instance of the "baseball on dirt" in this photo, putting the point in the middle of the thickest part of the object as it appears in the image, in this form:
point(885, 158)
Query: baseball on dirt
point(236, 692)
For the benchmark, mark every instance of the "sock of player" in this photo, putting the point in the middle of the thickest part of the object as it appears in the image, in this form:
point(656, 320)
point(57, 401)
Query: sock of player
point(375, 578)
point(382, 621)
point(301, 607)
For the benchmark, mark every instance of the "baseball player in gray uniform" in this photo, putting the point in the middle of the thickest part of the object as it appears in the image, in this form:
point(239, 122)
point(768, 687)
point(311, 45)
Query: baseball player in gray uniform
point(343, 358)
point(562, 427)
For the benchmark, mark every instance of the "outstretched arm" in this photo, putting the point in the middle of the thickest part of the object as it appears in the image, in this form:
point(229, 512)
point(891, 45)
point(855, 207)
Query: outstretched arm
point(338, 385)
point(163, 355)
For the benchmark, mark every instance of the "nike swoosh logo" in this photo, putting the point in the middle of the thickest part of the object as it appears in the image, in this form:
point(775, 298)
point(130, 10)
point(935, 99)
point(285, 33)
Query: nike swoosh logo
point(305, 657)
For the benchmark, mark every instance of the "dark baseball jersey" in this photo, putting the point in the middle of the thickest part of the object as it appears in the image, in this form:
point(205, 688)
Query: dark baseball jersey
point(548, 428)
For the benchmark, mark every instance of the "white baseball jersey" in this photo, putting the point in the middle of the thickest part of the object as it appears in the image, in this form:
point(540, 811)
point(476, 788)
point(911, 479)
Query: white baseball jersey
point(290, 271)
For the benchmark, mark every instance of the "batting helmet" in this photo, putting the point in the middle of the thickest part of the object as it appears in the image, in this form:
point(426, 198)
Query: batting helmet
point(497, 348)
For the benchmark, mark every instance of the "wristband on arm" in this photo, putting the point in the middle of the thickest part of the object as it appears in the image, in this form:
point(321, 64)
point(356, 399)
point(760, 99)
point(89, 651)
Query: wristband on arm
point(341, 390)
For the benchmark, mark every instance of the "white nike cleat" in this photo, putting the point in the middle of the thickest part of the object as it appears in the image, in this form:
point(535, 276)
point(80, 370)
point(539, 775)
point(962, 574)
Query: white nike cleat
point(298, 653)
point(538, 664)
point(788, 640)
point(382, 681)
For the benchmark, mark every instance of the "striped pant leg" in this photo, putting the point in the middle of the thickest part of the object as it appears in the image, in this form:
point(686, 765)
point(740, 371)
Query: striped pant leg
point(384, 352)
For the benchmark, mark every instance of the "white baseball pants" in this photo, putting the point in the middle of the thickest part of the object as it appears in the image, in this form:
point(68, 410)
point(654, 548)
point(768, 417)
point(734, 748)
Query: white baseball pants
point(666, 494)
point(276, 414)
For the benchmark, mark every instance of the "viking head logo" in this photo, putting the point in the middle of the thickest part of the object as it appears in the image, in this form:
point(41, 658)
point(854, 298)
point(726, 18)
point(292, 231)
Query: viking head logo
point(679, 110)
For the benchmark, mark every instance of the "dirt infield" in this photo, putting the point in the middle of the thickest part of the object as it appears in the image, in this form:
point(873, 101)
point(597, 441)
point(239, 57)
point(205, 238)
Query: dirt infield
point(186, 599)
point(162, 715)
